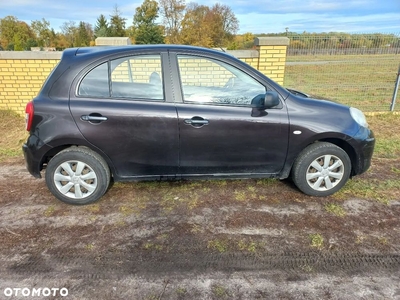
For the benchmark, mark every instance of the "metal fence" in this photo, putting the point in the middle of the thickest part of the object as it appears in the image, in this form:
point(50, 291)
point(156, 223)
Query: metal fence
point(357, 70)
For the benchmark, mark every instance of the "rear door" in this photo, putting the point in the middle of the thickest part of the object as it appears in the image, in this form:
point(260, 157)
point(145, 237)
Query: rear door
point(122, 108)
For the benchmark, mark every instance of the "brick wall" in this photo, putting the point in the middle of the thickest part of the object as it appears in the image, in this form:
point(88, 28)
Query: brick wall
point(21, 77)
point(23, 73)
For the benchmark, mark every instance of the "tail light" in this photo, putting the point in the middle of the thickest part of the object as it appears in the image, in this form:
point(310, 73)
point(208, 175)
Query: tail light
point(29, 115)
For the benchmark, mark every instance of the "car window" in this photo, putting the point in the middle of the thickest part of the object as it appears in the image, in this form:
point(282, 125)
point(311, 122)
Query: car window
point(134, 77)
point(210, 81)
point(95, 83)
point(137, 77)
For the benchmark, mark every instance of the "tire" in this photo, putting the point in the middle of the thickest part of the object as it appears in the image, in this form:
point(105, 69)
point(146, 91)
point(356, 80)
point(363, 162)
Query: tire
point(321, 169)
point(77, 176)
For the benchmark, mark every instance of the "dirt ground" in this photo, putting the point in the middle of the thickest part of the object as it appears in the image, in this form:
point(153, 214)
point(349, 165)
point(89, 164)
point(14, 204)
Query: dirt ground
point(242, 239)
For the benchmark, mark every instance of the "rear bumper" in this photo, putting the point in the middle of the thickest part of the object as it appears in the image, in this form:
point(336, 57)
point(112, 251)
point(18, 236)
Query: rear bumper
point(34, 152)
point(31, 163)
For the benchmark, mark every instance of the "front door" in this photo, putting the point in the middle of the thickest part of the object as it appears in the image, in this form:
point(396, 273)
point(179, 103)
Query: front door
point(220, 132)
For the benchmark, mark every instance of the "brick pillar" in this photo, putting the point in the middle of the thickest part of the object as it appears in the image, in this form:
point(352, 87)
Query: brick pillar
point(272, 56)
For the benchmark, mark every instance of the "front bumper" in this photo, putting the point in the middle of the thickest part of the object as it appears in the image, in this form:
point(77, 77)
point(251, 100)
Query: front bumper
point(365, 153)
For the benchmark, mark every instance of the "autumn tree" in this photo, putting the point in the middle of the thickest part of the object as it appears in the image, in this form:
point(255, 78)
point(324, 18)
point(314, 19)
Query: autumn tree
point(117, 23)
point(224, 25)
point(195, 27)
point(101, 28)
point(209, 27)
point(68, 29)
point(172, 13)
point(144, 22)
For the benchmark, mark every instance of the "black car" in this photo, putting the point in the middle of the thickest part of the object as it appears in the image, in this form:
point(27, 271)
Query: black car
point(156, 112)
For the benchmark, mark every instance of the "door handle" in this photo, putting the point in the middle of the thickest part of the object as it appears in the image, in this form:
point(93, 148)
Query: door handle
point(95, 119)
point(196, 122)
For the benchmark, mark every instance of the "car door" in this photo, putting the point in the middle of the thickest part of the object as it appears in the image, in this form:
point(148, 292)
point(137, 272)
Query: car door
point(122, 108)
point(220, 132)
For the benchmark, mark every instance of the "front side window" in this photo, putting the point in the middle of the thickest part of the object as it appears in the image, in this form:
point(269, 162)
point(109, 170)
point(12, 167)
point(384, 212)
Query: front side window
point(134, 77)
point(210, 81)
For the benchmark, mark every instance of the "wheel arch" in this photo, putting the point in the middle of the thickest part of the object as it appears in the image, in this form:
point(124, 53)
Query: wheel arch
point(340, 142)
point(351, 152)
point(60, 147)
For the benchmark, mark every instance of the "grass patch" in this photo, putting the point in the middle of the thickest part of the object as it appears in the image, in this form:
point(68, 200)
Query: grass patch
point(382, 191)
point(363, 81)
point(316, 240)
point(335, 209)
point(13, 134)
point(219, 245)
point(385, 127)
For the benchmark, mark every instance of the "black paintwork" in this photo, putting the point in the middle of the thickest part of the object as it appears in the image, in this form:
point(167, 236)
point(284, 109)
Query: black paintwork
point(142, 139)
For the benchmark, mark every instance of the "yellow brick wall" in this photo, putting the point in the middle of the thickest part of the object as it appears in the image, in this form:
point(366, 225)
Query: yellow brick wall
point(21, 80)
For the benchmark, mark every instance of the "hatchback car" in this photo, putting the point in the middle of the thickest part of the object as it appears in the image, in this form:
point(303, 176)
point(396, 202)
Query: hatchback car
point(158, 112)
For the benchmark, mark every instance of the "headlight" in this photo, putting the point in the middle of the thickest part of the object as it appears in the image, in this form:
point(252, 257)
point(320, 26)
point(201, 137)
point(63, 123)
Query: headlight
point(359, 117)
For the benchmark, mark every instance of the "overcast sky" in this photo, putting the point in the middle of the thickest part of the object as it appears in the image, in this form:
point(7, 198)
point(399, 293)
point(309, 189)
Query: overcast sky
point(256, 16)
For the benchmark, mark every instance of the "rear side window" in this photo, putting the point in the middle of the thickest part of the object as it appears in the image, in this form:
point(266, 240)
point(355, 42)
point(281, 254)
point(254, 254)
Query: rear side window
point(95, 83)
point(133, 77)
point(137, 77)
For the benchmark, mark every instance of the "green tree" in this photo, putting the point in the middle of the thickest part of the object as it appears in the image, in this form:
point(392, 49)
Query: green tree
point(172, 13)
point(82, 36)
point(146, 30)
point(43, 33)
point(101, 29)
point(117, 23)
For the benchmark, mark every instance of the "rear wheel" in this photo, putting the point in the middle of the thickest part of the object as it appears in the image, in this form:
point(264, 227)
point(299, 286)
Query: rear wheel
point(321, 169)
point(77, 176)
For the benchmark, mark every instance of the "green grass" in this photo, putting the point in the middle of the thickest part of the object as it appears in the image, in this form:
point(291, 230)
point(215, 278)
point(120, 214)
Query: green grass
point(13, 134)
point(316, 241)
point(335, 209)
point(364, 81)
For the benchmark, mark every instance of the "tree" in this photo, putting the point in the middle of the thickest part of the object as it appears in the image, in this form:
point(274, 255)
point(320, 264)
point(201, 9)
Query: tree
point(42, 30)
point(14, 34)
point(117, 23)
point(224, 25)
point(146, 30)
point(101, 29)
point(172, 12)
point(209, 27)
point(195, 27)
point(82, 35)
point(69, 30)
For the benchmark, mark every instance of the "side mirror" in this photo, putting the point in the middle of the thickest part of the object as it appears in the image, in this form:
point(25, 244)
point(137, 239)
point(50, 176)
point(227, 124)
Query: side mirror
point(264, 101)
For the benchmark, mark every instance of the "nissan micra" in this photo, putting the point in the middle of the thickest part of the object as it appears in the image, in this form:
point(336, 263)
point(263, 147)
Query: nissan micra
point(157, 112)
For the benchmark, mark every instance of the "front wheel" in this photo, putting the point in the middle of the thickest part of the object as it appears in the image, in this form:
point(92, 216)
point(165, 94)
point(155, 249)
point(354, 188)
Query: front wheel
point(321, 169)
point(77, 176)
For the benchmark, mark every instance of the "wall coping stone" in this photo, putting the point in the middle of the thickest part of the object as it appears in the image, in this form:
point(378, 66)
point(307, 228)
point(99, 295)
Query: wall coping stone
point(30, 54)
point(112, 41)
point(271, 41)
point(243, 53)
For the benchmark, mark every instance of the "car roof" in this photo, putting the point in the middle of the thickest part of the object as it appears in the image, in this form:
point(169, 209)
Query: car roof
point(110, 50)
